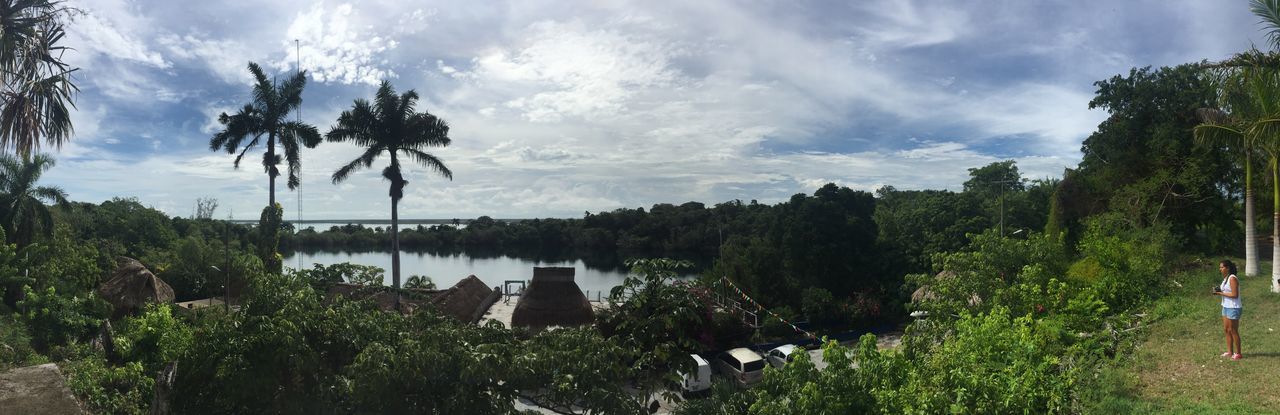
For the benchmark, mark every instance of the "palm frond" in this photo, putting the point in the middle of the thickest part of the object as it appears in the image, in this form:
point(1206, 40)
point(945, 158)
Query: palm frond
point(365, 160)
point(430, 161)
point(1269, 12)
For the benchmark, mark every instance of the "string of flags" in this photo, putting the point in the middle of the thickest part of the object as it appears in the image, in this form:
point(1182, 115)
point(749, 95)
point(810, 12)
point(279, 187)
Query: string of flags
point(753, 302)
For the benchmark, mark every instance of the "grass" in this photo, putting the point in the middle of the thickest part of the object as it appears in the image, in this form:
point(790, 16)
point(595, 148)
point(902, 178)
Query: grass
point(1177, 369)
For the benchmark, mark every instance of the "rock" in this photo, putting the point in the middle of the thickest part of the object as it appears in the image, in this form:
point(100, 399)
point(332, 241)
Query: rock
point(36, 390)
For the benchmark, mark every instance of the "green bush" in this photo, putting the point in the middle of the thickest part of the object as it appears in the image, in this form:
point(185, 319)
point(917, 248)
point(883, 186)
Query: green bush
point(15, 344)
point(154, 338)
point(125, 389)
point(56, 319)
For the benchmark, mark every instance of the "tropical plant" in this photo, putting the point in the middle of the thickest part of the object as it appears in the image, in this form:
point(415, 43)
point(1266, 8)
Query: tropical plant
point(390, 125)
point(22, 211)
point(37, 83)
point(1232, 130)
point(266, 115)
point(1256, 76)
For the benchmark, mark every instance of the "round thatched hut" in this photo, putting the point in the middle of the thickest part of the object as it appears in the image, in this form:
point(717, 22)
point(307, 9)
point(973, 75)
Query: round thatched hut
point(132, 286)
point(552, 299)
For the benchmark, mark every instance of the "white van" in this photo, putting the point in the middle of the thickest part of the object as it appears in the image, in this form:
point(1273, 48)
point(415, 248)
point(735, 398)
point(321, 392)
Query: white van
point(698, 382)
point(742, 365)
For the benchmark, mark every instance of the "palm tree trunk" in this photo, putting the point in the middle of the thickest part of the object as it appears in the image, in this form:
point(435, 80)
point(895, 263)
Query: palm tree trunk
point(395, 244)
point(1250, 228)
point(271, 157)
point(1275, 225)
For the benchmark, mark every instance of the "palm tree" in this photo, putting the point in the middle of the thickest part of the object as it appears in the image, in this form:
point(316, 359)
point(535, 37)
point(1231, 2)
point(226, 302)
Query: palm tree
point(266, 115)
point(22, 208)
point(390, 125)
point(1220, 128)
point(37, 87)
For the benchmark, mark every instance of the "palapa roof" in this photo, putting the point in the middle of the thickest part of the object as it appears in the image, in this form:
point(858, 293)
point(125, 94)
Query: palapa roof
point(925, 292)
point(552, 299)
point(381, 296)
point(464, 300)
point(132, 286)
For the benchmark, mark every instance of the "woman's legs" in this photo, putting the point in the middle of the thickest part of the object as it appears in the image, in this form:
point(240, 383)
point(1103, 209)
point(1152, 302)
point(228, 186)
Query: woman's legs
point(1235, 334)
point(1226, 329)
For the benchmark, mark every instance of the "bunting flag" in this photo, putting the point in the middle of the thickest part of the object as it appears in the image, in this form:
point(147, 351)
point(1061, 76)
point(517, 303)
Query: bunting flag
point(759, 308)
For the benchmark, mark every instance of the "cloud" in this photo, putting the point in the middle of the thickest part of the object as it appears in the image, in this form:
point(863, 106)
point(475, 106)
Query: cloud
point(99, 33)
point(575, 71)
point(333, 50)
point(561, 107)
point(223, 57)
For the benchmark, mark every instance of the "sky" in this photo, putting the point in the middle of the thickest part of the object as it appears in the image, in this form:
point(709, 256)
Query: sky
point(558, 108)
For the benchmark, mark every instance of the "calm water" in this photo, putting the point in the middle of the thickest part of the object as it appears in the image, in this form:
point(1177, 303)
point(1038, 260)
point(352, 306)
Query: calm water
point(448, 269)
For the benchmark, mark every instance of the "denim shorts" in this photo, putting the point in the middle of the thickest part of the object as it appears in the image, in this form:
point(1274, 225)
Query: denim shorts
point(1231, 313)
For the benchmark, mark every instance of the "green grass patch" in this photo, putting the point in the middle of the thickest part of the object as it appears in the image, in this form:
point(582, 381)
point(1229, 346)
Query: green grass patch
point(1177, 369)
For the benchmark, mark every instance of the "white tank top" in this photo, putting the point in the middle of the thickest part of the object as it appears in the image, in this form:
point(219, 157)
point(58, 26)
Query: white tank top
point(1229, 302)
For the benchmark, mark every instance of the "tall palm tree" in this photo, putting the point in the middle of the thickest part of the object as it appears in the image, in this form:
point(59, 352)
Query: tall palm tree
point(1269, 12)
point(37, 87)
point(1222, 128)
point(390, 125)
point(22, 208)
point(267, 116)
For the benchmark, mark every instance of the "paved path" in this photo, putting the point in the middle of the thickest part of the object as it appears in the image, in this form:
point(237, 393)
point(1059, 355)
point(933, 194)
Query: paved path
point(36, 390)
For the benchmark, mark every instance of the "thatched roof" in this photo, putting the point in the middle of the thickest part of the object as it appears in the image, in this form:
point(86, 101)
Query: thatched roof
point(552, 299)
point(132, 286)
point(382, 296)
point(465, 299)
point(925, 292)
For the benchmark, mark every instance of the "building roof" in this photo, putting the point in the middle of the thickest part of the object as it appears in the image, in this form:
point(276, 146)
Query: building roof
point(552, 299)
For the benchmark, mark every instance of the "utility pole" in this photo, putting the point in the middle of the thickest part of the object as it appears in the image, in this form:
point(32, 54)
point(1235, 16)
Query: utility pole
point(1002, 184)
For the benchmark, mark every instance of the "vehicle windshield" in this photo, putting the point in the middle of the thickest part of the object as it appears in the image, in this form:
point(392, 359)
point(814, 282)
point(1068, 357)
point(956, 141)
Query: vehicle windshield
point(754, 365)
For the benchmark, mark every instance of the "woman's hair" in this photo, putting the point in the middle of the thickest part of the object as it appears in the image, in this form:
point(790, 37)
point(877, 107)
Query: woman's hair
point(1231, 268)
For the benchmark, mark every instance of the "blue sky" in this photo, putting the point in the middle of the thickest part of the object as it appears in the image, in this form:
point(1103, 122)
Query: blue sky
point(561, 107)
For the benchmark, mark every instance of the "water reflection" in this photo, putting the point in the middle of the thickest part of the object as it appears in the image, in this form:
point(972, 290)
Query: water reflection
point(447, 268)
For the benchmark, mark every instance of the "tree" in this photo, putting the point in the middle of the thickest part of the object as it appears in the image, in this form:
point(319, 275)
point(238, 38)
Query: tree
point(1258, 74)
point(390, 125)
point(22, 208)
point(37, 83)
point(1232, 130)
point(266, 115)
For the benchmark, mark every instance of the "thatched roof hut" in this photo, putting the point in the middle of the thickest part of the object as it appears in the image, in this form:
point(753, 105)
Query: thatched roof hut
point(925, 292)
point(553, 299)
point(381, 296)
point(132, 286)
point(467, 300)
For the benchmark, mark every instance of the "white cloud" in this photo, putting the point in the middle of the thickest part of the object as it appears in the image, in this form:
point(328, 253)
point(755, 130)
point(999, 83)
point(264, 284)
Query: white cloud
point(101, 33)
point(334, 49)
point(573, 71)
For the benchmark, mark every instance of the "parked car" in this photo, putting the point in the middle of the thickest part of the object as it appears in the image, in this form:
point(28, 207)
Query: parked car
point(742, 365)
point(779, 356)
point(698, 382)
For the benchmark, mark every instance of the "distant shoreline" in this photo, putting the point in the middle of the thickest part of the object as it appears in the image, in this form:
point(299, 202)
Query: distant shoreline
point(378, 221)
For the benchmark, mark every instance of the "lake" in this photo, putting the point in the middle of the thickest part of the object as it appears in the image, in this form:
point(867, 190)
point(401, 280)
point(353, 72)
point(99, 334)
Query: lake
point(448, 269)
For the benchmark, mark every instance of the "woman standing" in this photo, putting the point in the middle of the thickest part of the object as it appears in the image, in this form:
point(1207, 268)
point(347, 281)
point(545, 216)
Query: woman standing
point(1229, 290)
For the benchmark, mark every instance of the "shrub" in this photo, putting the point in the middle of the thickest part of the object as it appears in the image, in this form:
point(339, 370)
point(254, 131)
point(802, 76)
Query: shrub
point(126, 389)
point(154, 338)
point(57, 320)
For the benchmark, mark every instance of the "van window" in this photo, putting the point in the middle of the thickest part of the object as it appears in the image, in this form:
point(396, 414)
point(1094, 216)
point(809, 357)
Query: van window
point(754, 366)
point(732, 361)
